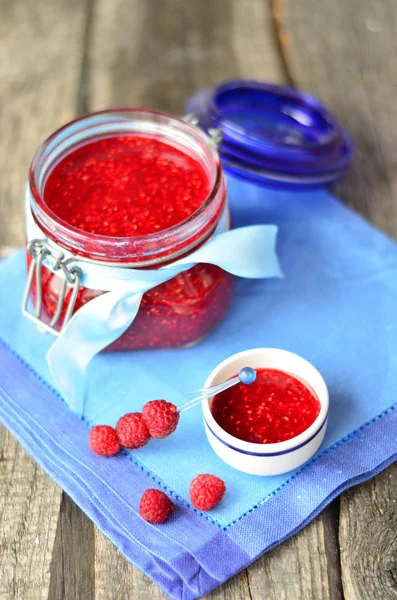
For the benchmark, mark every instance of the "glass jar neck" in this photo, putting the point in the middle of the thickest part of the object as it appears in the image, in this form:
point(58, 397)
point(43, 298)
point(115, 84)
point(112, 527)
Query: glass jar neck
point(143, 249)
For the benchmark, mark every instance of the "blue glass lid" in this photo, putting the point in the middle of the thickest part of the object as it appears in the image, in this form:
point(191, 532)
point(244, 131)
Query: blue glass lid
point(273, 134)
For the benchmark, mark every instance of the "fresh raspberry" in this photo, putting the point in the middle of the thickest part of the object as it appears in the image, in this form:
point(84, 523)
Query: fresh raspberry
point(206, 491)
point(132, 431)
point(103, 440)
point(161, 418)
point(155, 506)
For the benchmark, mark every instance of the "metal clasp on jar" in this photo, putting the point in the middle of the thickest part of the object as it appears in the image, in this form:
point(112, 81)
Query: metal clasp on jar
point(40, 251)
point(214, 133)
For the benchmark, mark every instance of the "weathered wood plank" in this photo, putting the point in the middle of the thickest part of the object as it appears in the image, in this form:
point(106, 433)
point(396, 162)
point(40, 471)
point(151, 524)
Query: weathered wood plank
point(113, 570)
point(115, 575)
point(368, 538)
point(305, 566)
point(40, 47)
point(155, 55)
point(72, 566)
point(237, 588)
point(29, 506)
point(344, 53)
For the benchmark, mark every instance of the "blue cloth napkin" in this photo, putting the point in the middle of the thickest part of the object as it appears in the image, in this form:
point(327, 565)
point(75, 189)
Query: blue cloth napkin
point(336, 307)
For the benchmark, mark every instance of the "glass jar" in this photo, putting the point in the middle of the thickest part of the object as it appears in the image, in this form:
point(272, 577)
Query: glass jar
point(176, 313)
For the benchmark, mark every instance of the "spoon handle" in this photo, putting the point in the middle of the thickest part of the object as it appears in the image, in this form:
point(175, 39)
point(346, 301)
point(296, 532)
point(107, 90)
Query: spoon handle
point(208, 393)
point(247, 375)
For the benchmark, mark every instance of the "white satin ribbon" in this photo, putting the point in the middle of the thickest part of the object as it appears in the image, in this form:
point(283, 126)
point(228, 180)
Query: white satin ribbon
point(244, 252)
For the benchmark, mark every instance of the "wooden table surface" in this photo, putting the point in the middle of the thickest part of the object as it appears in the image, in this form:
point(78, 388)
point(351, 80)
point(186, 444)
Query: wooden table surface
point(62, 58)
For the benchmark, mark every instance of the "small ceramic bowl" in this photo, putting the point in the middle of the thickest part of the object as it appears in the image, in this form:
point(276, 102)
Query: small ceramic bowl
point(267, 459)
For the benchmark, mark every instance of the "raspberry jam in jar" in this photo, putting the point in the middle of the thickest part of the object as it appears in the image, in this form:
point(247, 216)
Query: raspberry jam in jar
point(138, 189)
point(275, 408)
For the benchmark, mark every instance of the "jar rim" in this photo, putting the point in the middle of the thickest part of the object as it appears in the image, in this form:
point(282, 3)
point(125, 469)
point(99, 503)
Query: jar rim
point(120, 248)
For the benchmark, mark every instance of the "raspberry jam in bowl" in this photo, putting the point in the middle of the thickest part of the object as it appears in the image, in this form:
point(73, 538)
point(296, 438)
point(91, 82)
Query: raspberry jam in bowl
point(138, 189)
point(273, 425)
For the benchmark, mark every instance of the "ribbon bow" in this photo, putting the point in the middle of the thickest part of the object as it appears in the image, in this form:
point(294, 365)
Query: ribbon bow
point(244, 252)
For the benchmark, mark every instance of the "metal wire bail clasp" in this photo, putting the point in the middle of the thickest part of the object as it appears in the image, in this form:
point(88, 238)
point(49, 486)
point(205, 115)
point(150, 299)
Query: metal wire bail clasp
point(39, 250)
point(214, 133)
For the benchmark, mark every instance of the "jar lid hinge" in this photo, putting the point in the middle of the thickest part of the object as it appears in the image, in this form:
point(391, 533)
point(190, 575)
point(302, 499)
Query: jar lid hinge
point(39, 250)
